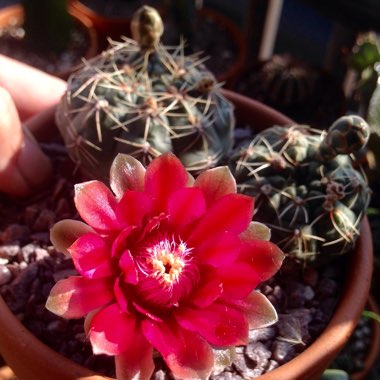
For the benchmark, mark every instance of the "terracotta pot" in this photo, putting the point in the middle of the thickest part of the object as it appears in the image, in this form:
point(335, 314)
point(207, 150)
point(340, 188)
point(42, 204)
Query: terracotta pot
point(105, 26)
point(33, 360)
point(14, 15)
point(231, 73)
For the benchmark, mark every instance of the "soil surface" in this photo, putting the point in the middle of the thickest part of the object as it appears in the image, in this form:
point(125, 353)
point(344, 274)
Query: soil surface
point(30, 266)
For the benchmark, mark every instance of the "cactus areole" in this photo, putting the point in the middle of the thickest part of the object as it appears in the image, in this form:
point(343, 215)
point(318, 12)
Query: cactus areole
point(306, 187)
point(144, 99)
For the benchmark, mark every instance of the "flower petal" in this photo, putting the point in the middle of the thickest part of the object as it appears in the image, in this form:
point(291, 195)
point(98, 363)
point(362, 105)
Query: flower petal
point(65, 232)
point(91, 256)
point(163, 177)
point(231, 213)
point(127, 265)
point(220, 251)
point(74, 297)
point(238, 279)
point(258, 310)
point(220, 325)
point(111, 330)
point(208, 289)
point(126, 173)
point(120, 243)
point(136, 362)
point(96, 205)
point(187, 354)
point(256, 231)
point(185, 206)
point(133, 208)
point(216, 183)
point(120, 295)
point(265, 257)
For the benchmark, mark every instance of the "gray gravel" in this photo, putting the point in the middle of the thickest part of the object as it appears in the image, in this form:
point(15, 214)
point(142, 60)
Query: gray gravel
point(29, 267)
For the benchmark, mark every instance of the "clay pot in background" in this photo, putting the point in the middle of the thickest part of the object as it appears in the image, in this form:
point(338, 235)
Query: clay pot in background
point(14, 15)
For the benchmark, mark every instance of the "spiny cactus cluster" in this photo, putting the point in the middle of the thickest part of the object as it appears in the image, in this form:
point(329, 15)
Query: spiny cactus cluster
point(285, 81)
point(307, 190)
point(142, 98)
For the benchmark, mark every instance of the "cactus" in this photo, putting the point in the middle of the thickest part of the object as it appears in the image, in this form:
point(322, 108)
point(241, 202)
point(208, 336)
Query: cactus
point(363, 59)
point(307, 190)
point(142, 98)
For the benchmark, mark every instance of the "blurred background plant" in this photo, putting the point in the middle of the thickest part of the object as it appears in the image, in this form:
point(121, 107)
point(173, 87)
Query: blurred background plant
point(48, 25)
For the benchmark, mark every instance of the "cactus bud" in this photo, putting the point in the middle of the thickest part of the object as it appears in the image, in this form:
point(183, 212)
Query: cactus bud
point(147, 27)
point(346, 135)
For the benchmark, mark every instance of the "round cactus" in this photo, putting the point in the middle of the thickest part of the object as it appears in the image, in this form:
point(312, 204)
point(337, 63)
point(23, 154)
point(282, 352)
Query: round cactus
point(306, 188)
point(142, 98)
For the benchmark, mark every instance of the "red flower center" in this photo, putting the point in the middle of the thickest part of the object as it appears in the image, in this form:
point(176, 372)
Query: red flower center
point(166, 261)
point(167, 272)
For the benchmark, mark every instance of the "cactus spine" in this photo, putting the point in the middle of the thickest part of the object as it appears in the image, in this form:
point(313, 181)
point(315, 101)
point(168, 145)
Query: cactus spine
point(307, 190)
point(142, 98)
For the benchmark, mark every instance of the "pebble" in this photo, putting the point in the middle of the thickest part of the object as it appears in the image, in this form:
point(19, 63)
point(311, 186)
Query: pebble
point(266, 333)
point(41, 253)
point(245, 367)
point(5, 275)
point(296, 293)
point(161, 375)
point(327, 287)
point(56, 326)
point(282, 350)
point(14, 268)
point(258, 352)
point(272, 365)
point(278, 292)
point(309, 293)
point(14, 233)
point(27, 252)
point(44, 221)
point(8, 251)
point(227, 376)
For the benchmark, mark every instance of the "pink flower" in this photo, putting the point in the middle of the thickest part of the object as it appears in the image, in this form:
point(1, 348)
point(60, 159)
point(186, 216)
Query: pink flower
point(166, 262)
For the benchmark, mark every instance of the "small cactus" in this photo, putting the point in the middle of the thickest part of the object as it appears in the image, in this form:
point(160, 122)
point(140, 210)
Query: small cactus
point(307, 190)
point(142, 98)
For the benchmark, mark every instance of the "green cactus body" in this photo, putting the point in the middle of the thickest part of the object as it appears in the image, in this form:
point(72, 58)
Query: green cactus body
point(305, 186)
point(145, 99)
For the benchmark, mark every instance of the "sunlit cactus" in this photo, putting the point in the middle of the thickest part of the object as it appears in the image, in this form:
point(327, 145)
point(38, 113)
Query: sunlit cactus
point(142, 98)
point(307, 190)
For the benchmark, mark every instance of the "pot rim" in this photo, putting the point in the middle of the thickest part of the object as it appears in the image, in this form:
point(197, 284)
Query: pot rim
point(325, 347)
